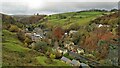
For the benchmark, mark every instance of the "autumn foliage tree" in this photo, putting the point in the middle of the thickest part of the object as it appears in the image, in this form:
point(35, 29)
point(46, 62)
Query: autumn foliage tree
point(98, 40)
point(58, 32)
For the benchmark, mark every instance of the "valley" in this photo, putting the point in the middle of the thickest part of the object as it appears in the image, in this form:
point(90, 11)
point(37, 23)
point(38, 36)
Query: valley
point(84, 38)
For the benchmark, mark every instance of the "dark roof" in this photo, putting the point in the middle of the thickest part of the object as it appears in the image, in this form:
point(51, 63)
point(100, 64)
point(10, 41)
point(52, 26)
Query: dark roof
point(65, 59)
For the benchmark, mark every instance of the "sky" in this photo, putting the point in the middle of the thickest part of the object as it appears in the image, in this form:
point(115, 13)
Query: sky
point(30, 7)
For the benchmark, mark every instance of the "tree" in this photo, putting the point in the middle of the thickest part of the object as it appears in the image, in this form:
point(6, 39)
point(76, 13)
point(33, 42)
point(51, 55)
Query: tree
point(30, 28)
point(98, 41)
point(58, 33)
point(37, 14)
point(76, 38)
point(74, 26)
point(103, 51)
point(113, 10)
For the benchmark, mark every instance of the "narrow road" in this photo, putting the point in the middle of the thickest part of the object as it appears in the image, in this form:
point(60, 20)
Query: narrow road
point(81, 58)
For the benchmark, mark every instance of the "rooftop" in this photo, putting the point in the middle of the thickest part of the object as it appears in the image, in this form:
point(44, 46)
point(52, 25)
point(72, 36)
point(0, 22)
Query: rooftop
point(65, 59)
point(75, 62)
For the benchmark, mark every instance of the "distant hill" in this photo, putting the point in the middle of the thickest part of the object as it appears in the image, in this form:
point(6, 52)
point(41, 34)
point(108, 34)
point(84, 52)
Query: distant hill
point(23, 19)
point(28, 19)
point(74, 20)
point(71, 20)
point(7, 19)
point(108, 19)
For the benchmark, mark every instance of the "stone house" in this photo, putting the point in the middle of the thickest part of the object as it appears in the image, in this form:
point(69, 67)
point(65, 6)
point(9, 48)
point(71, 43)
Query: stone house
point(61, 50)
point(72, 32)
point(38, 31)
point(75, 63)
point(80, 51)
point(66, 60)
point(28, 35)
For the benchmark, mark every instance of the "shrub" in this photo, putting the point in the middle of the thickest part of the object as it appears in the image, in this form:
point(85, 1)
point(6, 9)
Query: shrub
point(41, 45)
point(52, 56)
point(47, 53)
point(21, 36)
point(27, 40)
point(14, 28)
point(20, 25)
point(26, 45)
point(68, 56)
point(58, 55)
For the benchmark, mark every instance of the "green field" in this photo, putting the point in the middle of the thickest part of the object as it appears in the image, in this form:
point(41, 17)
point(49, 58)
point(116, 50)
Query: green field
point(68, 19)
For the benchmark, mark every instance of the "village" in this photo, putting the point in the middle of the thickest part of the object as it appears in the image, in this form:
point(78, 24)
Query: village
point(78, 54)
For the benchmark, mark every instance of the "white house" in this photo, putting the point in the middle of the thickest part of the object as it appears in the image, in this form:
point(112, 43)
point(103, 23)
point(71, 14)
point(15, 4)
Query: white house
point(101, 25)
point(66, 33)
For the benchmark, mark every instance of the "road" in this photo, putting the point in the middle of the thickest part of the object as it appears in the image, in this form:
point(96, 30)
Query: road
point(81, 58)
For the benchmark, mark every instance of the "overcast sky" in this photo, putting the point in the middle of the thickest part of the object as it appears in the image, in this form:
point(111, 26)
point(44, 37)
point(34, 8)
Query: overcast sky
point(28, 7)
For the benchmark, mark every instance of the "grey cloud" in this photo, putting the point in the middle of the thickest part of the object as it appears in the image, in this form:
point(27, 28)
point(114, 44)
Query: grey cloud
point(55, 7)
point(72, 6)
point(14, 7)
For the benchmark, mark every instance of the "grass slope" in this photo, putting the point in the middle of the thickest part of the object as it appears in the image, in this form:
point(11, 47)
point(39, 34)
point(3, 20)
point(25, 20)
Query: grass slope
point(44, 61)
point(79, 18)
point(11, 42)
point(14, 54)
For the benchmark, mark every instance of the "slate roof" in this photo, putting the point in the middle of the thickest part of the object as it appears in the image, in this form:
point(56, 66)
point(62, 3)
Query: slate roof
point(65, 59)
point(75, 62)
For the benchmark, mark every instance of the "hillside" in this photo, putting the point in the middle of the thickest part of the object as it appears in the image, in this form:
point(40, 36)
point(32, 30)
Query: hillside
point(108, 19)
point(73, 19)
point(15, 54)
point(28, 19)
point(102, 42)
